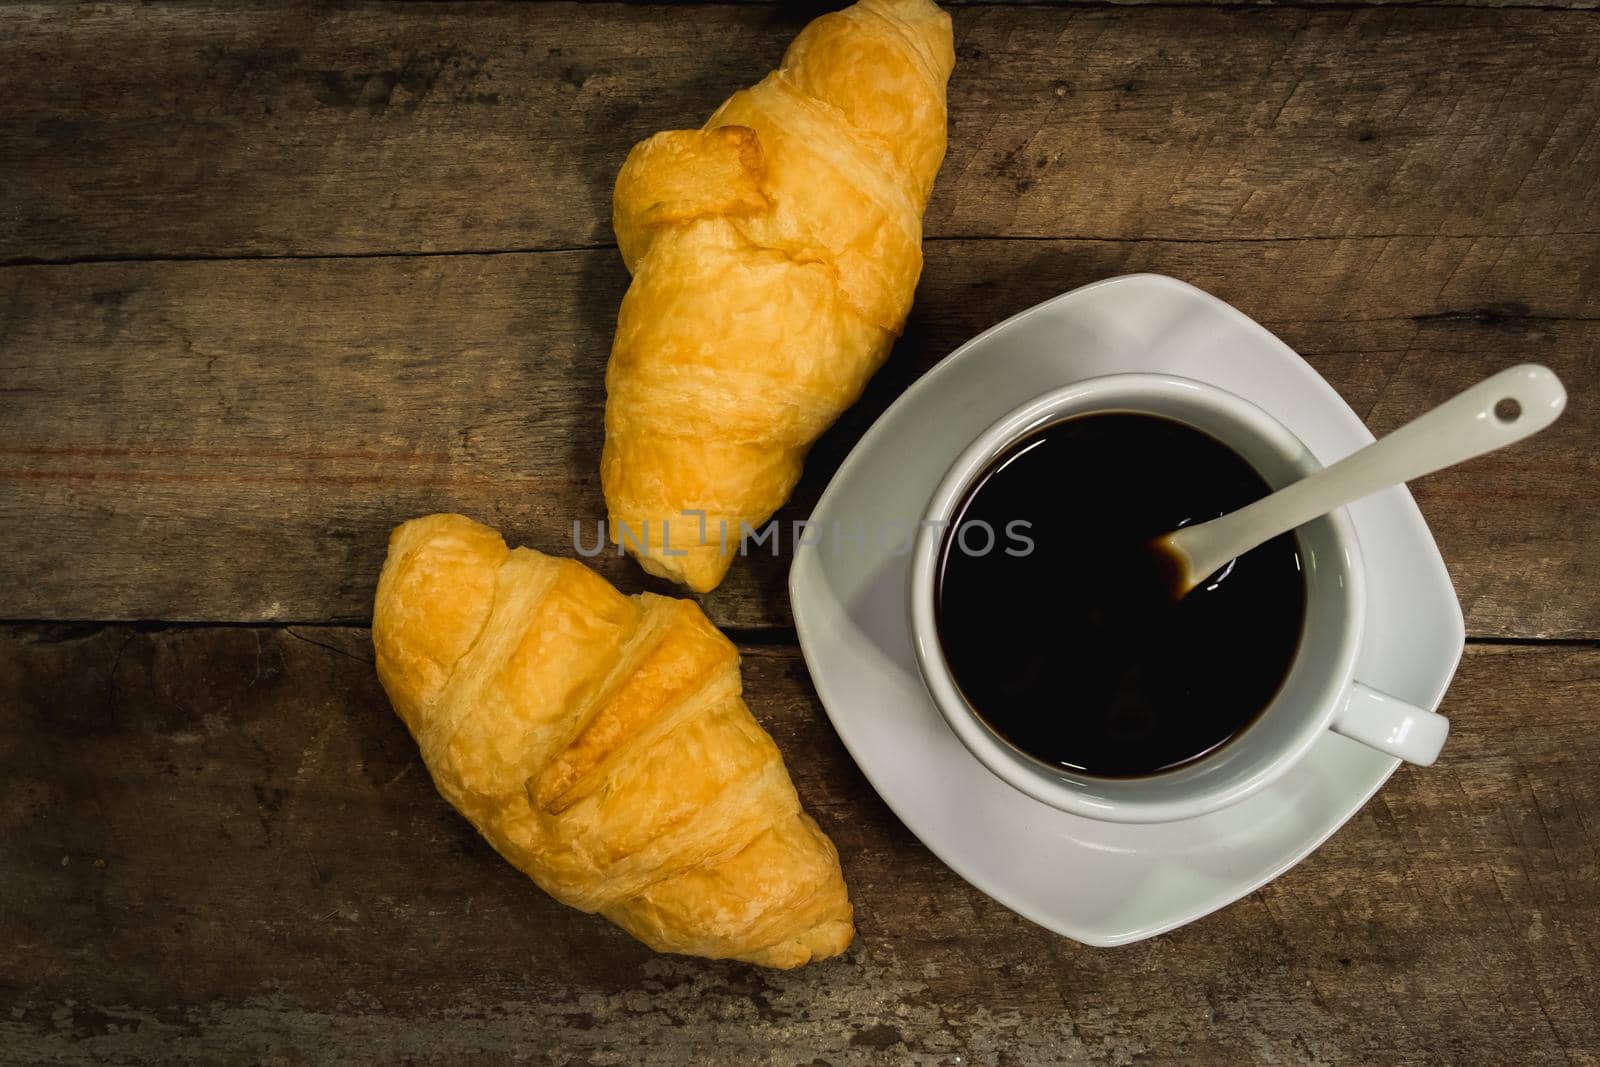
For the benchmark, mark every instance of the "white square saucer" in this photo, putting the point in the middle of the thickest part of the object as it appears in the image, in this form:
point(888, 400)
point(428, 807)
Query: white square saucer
point(1099, 883)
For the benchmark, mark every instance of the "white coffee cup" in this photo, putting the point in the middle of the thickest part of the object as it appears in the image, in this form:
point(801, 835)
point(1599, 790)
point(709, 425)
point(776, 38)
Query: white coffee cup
point(1320, 691)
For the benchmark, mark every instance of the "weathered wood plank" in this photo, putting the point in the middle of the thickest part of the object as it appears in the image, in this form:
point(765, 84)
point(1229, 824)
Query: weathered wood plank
point(220, 844)
point(232, 441)
point(826, 5)
point(252, 129)
point(1560, 5)
point(1567, 5)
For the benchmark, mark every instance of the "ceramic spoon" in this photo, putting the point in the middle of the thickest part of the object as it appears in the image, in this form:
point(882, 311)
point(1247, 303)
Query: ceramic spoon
point(1516, 403)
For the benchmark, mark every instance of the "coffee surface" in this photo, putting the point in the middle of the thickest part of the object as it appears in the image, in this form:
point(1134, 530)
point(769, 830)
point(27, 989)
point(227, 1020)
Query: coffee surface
point(1072, 647)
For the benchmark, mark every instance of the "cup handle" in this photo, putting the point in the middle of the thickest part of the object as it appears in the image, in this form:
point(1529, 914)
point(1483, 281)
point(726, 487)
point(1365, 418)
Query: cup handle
point(1390, 725)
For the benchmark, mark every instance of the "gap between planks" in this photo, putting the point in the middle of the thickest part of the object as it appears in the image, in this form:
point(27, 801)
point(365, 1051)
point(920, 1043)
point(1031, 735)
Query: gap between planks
point(449, 253)
point(743, 636)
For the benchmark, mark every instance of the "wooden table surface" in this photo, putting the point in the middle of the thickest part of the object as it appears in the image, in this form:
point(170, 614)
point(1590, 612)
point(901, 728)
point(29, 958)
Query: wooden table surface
point(275, 278)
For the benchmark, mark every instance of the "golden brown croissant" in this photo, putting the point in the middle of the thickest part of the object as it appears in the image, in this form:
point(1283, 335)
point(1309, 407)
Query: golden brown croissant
point(600, 743)
point(774, 254)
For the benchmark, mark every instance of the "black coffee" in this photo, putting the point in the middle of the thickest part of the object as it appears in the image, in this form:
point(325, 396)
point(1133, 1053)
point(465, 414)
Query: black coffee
point(1073, 648)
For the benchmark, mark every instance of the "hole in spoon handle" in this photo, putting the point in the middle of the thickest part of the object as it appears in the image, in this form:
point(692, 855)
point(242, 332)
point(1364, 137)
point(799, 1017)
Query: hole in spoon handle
point(1527, 398)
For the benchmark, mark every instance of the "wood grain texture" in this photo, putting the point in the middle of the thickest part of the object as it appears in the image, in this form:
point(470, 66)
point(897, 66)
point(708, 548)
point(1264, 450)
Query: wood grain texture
point(242, 129)
point(233, 441)
point(220, 844)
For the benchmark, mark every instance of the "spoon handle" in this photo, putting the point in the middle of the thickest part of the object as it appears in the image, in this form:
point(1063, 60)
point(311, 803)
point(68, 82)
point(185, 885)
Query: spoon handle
point(1502, 409)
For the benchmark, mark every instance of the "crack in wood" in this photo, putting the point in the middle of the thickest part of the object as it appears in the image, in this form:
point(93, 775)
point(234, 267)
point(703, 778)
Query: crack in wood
point(290, 630)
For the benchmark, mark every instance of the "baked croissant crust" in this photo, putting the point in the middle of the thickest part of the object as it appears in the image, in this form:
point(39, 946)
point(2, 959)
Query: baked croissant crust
point(601, 745)
point(774, 254)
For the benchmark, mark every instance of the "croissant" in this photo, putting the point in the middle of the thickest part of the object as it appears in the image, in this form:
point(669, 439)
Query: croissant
point(774, 254)
point(601, 745)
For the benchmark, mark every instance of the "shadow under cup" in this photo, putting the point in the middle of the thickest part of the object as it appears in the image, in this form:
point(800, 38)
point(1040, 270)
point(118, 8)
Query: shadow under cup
point(1318, 679)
